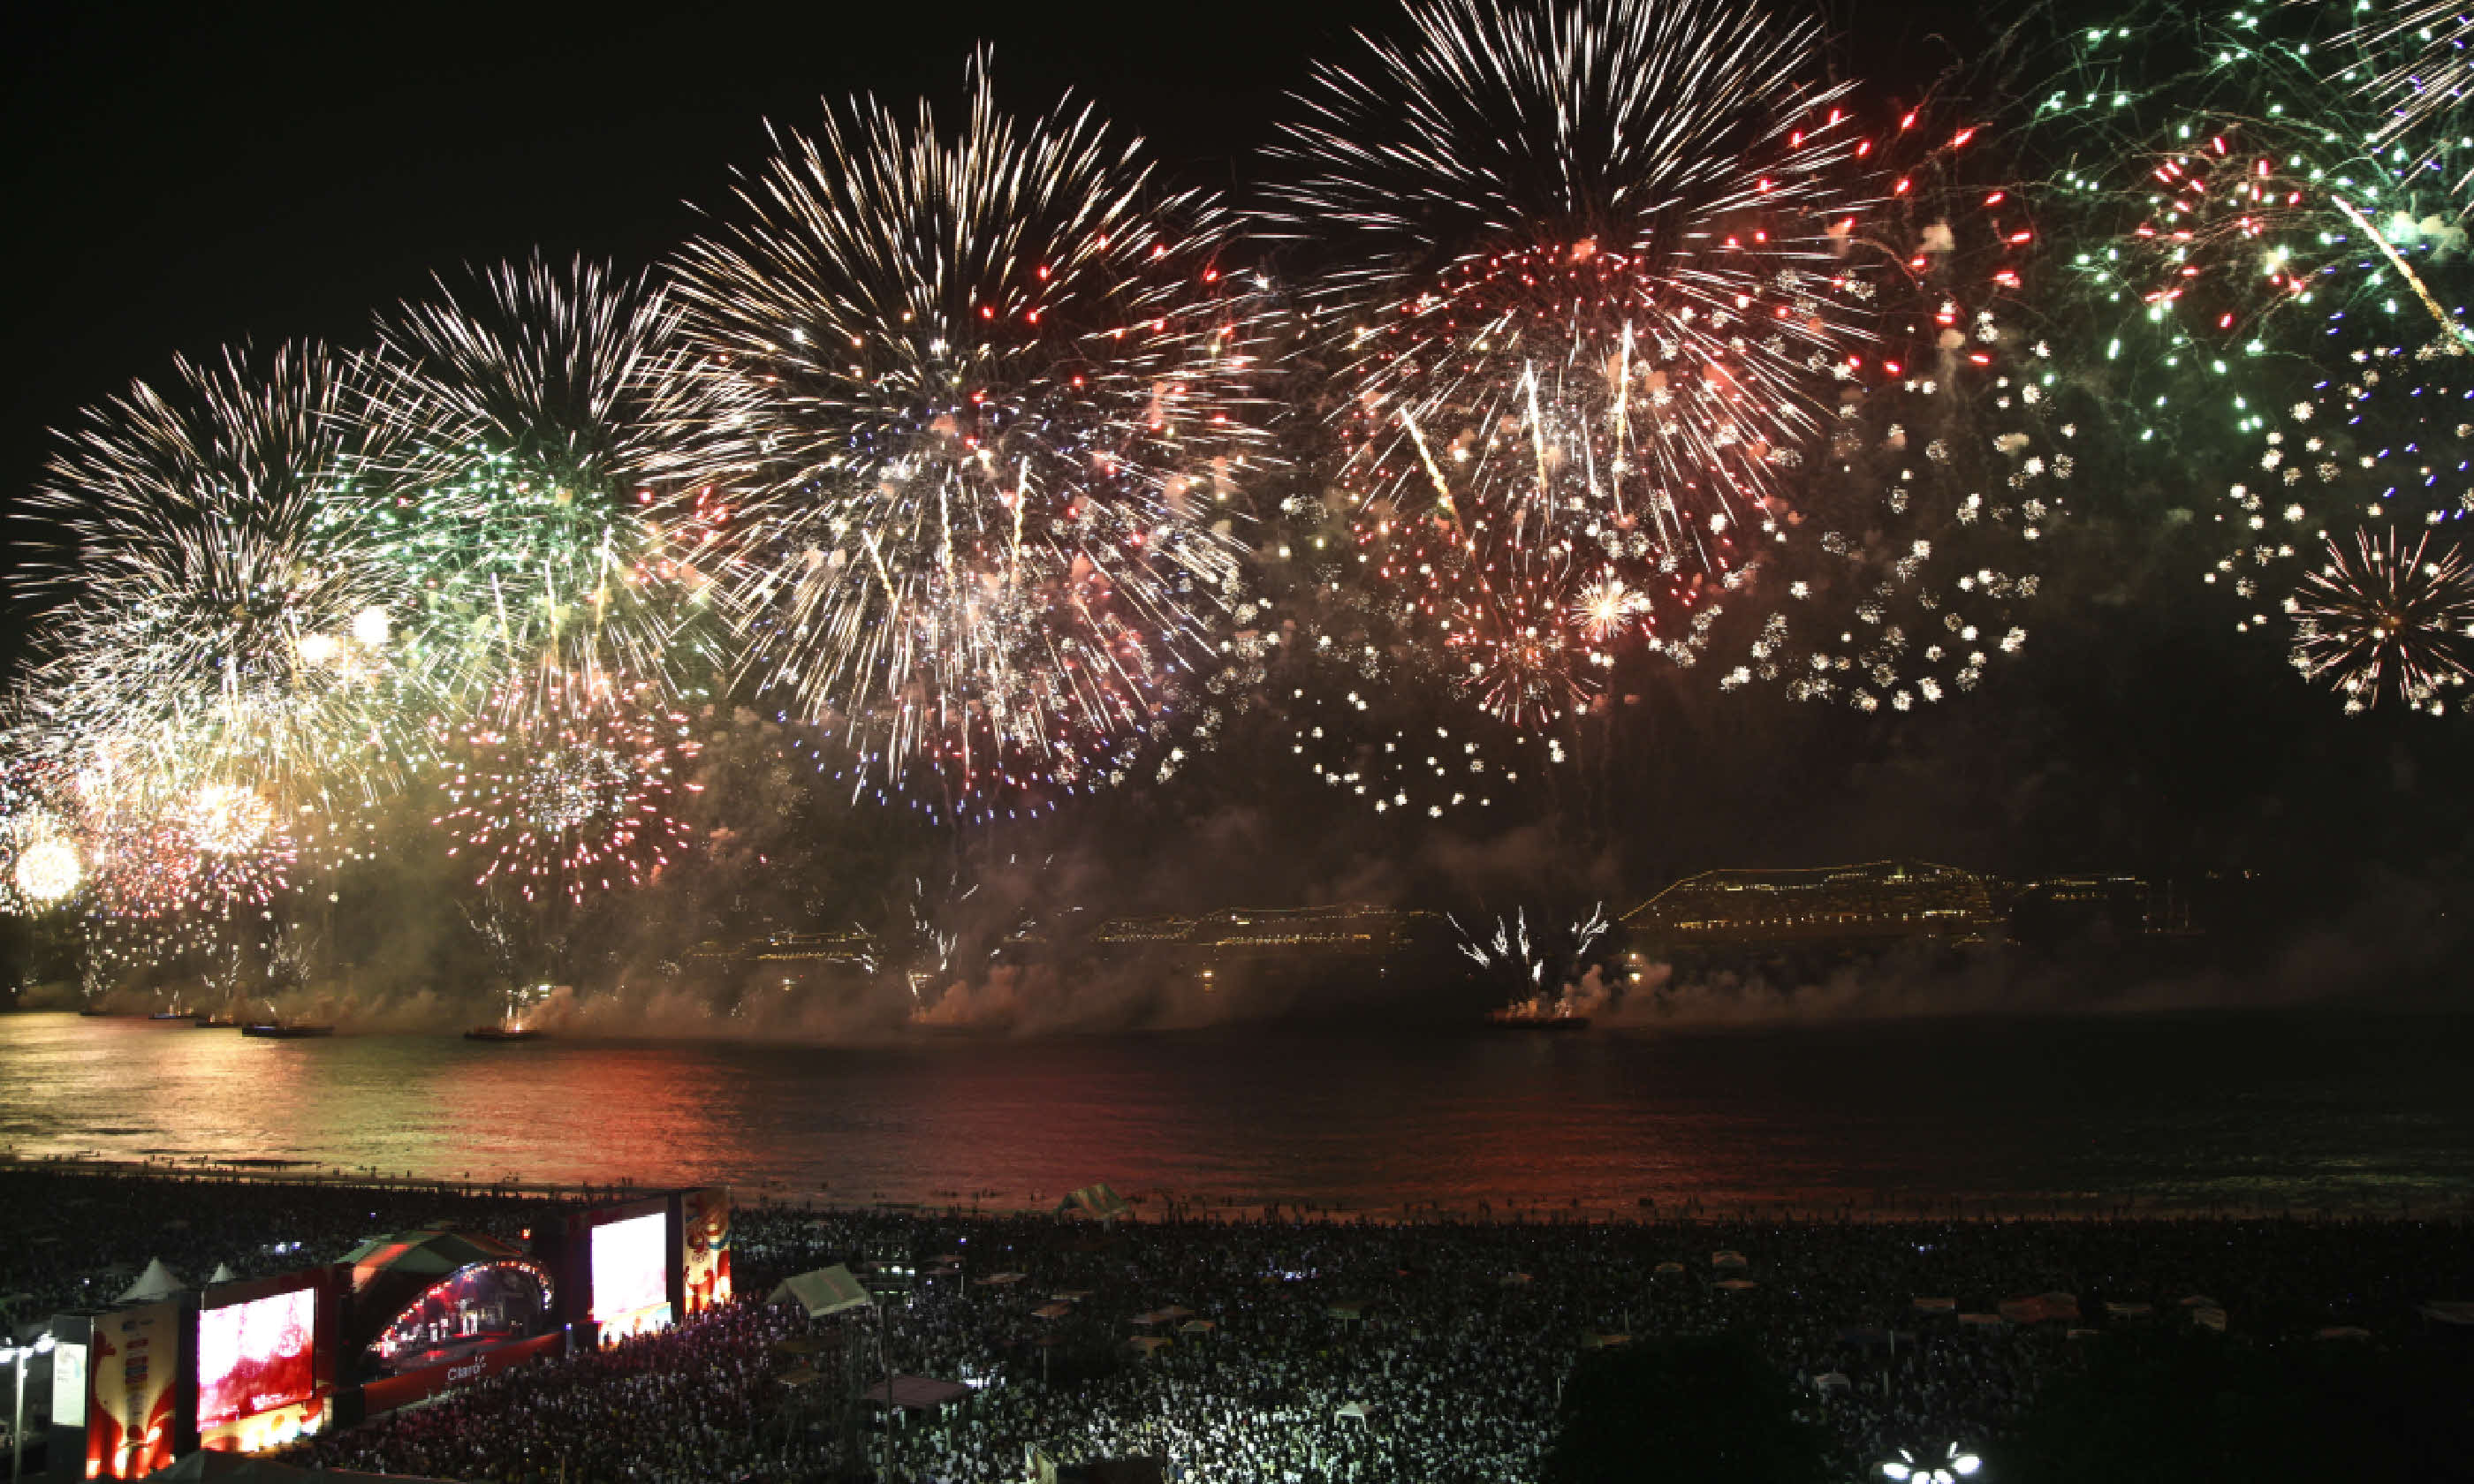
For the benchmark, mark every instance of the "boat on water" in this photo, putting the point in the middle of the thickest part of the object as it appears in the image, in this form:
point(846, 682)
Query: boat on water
point(286, 1030)
point(503, 1032)
point(173, 1015)
point(1532, 1017)
point(209, 1021)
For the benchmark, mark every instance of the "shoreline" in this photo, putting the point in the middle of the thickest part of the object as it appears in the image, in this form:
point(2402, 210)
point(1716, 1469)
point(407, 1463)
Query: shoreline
point(1154, 1207)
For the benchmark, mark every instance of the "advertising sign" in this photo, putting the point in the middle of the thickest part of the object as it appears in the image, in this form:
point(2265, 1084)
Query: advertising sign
point(628, 1273)
point(68, 1385)
point(133, 1373)
point(704, 1248)
point(257, 1357)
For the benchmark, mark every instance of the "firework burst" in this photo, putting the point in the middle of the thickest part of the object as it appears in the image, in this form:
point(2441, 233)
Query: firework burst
point(980, 399)
point(570, 792)
point(213, 618)
point(520, 407)
point(1597, 274)
point(2386, 621)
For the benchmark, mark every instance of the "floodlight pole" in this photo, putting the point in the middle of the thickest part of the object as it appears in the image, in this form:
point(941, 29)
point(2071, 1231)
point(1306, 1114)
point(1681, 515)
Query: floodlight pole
point(21, 1354)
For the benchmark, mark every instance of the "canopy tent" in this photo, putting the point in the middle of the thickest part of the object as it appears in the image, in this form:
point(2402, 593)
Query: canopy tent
point(998, 1279)
point(825, 1291)
point(1829, 1381)
point(1668, 1267)
point(223, 1274)
point(1736, 1284)
point(2043, 1307)
point(1725, 1258)
point(1197, 1326)
point(1356, 1411)
point(1150, 1344)
point(2127, 1310)
point(1097, 1202)
point(1164, 1316)
point(157, 1281)
point(916, 1393)
point(1056, 1309)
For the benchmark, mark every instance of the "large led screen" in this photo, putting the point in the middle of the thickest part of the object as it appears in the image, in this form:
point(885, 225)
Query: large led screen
point(629, 1267)
point(256, 1357)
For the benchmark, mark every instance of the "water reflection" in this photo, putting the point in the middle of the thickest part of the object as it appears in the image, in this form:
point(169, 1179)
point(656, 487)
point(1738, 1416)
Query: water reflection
point(2311, 1110)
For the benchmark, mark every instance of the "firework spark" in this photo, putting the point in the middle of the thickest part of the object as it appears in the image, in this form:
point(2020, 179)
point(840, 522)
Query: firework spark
point(1598, 278)
point(2383, 621)
point(520, 402)
point(571, 793)
point(982, 400)
point(213, 618)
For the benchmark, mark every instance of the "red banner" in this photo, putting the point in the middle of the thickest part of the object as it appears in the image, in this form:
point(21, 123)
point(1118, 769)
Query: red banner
point(133, 1376)
point(390, 1392)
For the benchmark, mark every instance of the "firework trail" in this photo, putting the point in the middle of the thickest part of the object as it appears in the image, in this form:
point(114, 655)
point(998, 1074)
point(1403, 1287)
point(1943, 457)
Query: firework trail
point(980, 399)
point(520, 405)
point(2385, 621)
point(571, 793)
point(1531, 970)
point(2411, 57)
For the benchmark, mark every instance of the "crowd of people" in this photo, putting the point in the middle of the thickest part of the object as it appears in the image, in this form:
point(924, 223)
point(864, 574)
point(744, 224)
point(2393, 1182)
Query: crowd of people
point(1299, 1350)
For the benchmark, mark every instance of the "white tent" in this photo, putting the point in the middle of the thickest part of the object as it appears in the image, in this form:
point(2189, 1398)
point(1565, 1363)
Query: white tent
point(1356, 1411)
point(157, 1281)
point(826, 1291)
point(223, 1274)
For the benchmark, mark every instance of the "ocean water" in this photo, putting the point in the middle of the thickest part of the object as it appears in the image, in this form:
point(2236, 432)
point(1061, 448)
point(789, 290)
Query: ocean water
point(2300, 1109)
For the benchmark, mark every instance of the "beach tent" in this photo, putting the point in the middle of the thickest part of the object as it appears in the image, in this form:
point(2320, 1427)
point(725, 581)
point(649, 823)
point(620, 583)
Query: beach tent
point(1098, 1203)
point(916, 1393)
point(157, 1281)
point(825, 1291)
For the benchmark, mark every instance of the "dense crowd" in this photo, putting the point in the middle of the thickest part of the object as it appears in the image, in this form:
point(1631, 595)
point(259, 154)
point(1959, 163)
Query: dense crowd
point(1308, 1352)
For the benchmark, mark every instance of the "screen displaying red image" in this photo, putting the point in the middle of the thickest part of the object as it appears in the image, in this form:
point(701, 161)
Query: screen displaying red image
point(629, 1270)
point(256, 1357)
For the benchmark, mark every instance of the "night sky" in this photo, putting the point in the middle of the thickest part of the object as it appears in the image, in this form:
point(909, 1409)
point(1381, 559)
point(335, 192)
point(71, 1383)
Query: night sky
point(181, 183)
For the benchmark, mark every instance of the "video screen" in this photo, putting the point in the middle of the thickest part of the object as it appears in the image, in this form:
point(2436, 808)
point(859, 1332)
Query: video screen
point(629, 1270)
point(256, 1357)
